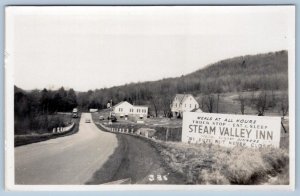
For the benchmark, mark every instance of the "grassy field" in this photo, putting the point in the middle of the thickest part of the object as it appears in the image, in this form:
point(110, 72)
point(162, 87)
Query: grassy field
point(165, 129)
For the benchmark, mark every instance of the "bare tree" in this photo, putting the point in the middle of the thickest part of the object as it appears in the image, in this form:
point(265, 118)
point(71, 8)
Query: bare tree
point(165, 103)
point(209, 101)
point(242, 101)
point(155, 102)
point(284, 105)
point(202, 101)
point(262, 103)
point(218, 102)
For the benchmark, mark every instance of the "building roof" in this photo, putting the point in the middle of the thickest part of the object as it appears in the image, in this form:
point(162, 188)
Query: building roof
point(129, 104)
point(144, 106)
point(182, 97)
point(121, 103)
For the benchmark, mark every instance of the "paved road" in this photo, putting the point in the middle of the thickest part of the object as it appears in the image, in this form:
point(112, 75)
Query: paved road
point(91, 156)
point(135, 159)
point(66, 160)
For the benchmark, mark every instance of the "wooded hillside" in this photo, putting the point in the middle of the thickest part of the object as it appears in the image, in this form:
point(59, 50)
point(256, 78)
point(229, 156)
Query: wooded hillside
point(246, 73)
point(262, 72)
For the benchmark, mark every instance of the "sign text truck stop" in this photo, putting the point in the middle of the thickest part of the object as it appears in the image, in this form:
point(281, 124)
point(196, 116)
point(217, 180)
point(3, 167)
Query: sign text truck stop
point(231, 130)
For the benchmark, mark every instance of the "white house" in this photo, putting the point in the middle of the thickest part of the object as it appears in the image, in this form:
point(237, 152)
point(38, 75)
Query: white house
point(183, 103)
point(125, 109)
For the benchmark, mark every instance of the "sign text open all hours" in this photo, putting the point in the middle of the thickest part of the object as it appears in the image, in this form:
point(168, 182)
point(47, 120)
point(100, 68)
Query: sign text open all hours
point(231, 130)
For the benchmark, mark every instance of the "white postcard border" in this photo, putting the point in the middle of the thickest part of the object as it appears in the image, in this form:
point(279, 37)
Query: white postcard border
point(10, 12)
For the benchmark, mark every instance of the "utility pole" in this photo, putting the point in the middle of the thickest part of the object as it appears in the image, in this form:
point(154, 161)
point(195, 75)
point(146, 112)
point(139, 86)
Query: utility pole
point(110, 121)
point(218, 103)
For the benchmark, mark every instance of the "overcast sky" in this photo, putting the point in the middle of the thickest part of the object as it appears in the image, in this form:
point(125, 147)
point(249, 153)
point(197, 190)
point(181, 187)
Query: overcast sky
point(94, 47)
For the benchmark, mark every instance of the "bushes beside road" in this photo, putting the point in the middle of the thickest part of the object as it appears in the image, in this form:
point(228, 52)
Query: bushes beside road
point(210, 164)
point(41, 124)
point(33, 137)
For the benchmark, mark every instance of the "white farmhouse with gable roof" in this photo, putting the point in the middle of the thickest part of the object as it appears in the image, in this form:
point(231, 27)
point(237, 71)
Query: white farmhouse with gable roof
point(125, 109)
point(183, 103)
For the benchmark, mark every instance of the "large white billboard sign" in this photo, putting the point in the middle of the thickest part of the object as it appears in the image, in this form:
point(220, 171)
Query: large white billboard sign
point(231, 130)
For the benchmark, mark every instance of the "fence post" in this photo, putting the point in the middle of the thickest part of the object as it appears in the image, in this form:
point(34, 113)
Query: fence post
point(167, 134)
point(283, 127)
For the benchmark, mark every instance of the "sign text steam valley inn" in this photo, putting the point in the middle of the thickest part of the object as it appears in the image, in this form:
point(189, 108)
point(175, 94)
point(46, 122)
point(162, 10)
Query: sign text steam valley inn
point(231, 130)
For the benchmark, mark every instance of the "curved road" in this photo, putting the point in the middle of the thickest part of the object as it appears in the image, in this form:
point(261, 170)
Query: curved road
point(91, 156)
point(67, 160)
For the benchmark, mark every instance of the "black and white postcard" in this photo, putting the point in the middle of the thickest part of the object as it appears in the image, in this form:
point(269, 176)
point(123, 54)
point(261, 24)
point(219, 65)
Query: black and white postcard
point(150, 97)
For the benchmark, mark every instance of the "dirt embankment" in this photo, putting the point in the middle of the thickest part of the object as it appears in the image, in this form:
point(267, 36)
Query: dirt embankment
point(137, 160)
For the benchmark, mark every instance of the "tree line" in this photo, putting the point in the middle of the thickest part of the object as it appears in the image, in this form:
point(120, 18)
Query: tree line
point(262, 72)
point(259, 102)
point(34, 110)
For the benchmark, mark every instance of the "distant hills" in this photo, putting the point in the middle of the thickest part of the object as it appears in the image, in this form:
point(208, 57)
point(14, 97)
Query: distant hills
point(267, 71)
point(252, 72)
